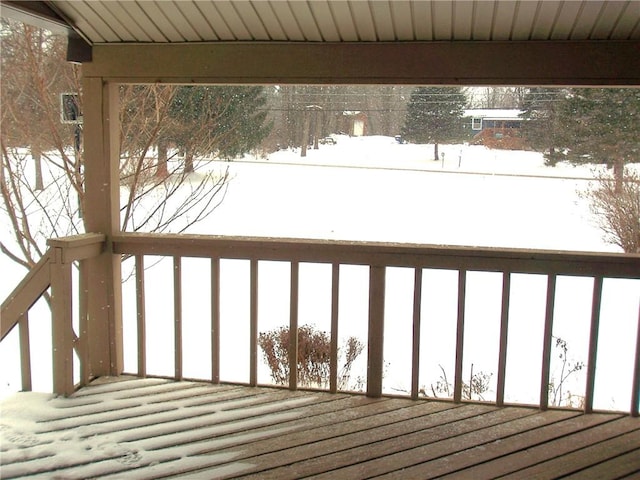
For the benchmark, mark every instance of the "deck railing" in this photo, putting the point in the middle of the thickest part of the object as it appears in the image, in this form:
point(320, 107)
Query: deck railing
point(378, 257)
point(55, 271)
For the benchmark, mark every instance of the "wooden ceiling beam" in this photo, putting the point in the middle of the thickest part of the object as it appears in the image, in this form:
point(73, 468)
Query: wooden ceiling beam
point(606, 63)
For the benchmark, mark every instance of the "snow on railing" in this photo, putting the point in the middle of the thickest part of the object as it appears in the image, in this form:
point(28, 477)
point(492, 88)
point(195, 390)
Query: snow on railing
point(379, 258)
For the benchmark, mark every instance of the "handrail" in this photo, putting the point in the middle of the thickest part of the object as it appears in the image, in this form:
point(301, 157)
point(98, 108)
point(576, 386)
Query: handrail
point(611, 265)
point(26, 293)
point(378, 256)
point(53, 271)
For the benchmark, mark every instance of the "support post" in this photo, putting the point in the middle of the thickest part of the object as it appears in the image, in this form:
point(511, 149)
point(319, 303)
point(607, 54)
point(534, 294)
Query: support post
point(62, 324)
point(102, 215)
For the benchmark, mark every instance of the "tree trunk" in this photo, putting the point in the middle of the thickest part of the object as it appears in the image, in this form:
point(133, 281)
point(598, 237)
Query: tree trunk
point(162, 171)
point(305, 134)
point(618, 175)
point(188, 161)
point(37, 159)
point(317, 130)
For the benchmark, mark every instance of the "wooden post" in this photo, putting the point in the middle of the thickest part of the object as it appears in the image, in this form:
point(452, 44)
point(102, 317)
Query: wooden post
point(83, 321)
point(462, 287)
point(375, 347)
point(547, 342)
point(504, 337)
point(593, 345)
point(62, 324)
point(177, 316)
point(293, 325)
point(215, 320)
point(141, 317)
point(102, 212)
point(25, 352)
point(253, 324)
point(417, 317)
point(335, 303)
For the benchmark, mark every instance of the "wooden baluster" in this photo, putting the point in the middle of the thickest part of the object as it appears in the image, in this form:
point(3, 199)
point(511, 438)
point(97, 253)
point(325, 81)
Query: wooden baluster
point(635, 384)
point(335, 297)
point(293, 325)
point(504, 338)
point(141, 317)
point(462, 286)
point(375, 353)
point(25, 351)
point(253, 325)
point(215, 320)
point(415, 356)
point(177, 312)
point(62, 324)
point(83, 308)
point(593, 344)
point(547, 337)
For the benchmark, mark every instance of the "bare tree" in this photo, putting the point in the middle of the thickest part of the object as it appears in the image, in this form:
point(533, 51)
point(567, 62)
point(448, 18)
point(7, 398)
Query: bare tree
point(161, 194)
point(615, 203)
point(33, 76)
point(496, 97)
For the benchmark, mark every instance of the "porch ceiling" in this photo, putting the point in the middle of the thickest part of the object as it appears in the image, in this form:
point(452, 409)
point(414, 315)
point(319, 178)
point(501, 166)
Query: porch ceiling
point(178, 21)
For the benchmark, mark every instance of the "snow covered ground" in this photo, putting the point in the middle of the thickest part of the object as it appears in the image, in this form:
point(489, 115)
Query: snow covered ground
point(372, 188)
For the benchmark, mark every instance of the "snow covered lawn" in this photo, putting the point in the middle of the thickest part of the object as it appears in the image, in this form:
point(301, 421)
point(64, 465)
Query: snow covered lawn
point(374, 189)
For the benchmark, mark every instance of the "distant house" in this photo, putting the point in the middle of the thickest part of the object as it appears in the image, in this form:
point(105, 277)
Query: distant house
point(495, 128)
point(353, 123)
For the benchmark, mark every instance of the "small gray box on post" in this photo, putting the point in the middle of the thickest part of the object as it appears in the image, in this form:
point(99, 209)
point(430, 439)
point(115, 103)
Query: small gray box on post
point(70, 108)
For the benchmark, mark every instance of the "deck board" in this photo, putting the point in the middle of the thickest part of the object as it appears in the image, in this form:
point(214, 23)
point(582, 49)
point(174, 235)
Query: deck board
point(155, 428)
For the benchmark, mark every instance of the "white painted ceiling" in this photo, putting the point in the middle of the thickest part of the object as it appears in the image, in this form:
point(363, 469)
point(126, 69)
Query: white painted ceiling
point(100, 21)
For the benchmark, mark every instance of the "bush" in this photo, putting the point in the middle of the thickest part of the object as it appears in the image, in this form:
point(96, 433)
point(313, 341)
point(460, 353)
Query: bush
point(615, 202)
point(314, 356)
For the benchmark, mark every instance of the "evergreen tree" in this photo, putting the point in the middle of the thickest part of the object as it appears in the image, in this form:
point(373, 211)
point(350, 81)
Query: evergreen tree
point(225, 120)
point(600, 125)
point(434, 115)
point(541, 127)
point(34, 75)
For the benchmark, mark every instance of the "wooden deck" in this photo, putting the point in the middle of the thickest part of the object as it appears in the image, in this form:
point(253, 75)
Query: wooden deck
point(154, 428)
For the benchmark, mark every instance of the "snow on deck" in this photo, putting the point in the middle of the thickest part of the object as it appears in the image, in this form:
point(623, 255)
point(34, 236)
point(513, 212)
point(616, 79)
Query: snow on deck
point(154, 428)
